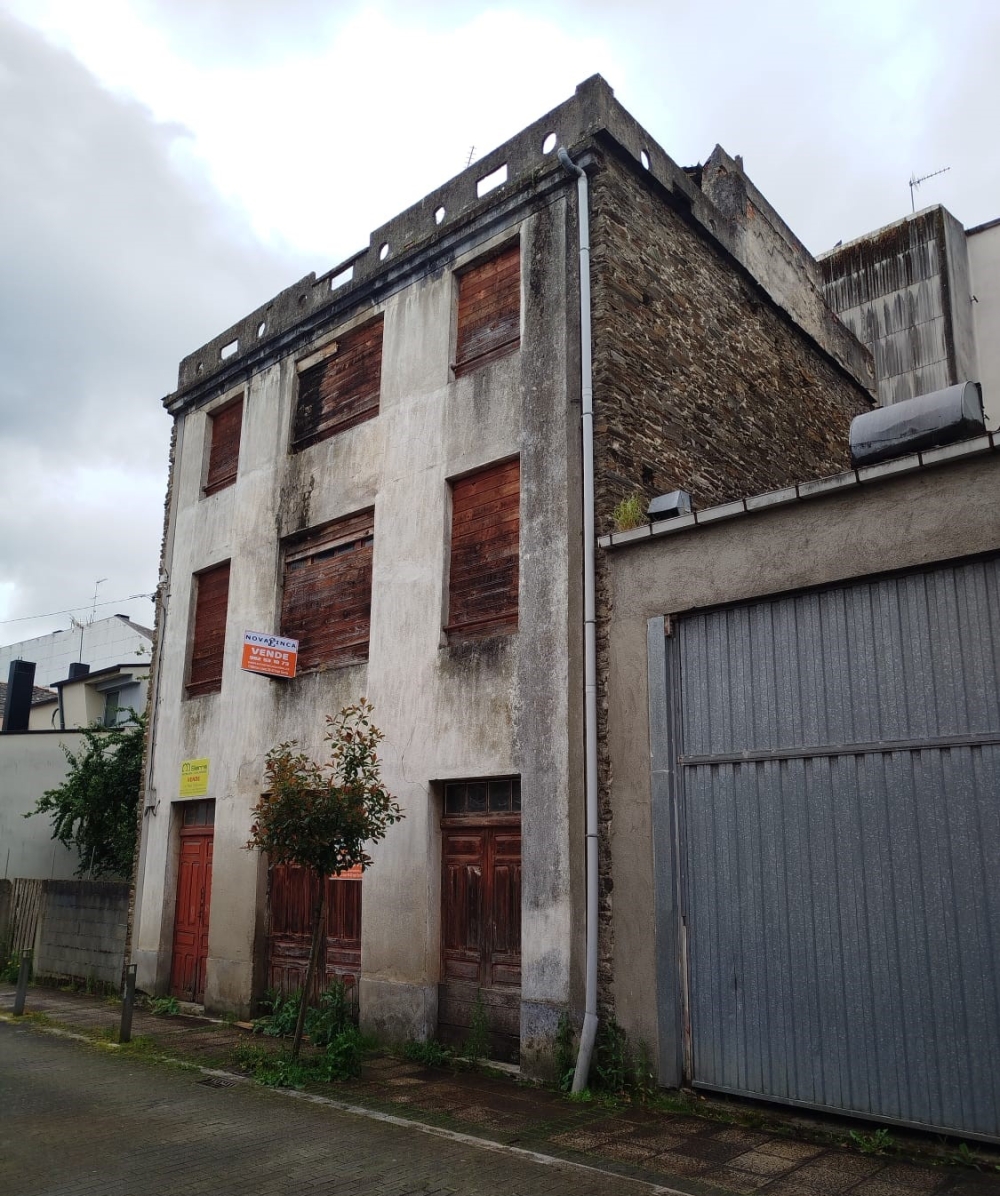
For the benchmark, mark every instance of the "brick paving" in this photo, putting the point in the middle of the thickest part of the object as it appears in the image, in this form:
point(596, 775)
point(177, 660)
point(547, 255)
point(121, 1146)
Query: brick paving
point(633, 1147)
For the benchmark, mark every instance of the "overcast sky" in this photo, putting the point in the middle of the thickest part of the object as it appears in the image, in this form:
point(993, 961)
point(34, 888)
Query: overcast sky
point(168, 165)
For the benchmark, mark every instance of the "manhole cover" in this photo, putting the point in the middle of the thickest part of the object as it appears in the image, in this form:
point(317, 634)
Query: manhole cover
point(216, 1082)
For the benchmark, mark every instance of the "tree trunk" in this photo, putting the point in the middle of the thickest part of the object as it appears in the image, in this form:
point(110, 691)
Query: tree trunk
point(319, 931)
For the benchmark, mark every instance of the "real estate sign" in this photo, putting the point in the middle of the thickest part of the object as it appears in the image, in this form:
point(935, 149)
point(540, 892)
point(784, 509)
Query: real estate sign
point(272, 655)
point(194, 778)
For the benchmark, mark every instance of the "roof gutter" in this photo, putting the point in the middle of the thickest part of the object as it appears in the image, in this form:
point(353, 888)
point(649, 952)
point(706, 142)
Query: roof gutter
point(589, 1032)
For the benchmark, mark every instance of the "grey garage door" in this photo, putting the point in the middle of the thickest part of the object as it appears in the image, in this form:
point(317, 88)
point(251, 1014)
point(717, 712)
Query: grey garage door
point(839, 801)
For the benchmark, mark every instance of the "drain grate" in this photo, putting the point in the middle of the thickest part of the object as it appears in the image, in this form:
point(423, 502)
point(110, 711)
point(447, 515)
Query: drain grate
point(216, 1082)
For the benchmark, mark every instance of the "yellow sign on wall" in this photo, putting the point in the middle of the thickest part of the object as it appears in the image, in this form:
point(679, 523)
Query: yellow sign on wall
point(194, 778)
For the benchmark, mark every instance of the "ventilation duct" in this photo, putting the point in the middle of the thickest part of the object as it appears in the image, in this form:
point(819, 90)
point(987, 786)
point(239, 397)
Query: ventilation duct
point(667, 506)
point(928, 421)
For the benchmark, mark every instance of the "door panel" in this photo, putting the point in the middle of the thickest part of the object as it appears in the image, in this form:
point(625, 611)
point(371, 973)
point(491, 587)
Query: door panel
point(191, 920)
point(291, 900)
point(481, 930)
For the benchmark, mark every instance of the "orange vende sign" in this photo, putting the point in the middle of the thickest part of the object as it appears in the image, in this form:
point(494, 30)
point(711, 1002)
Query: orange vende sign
point(272, 655)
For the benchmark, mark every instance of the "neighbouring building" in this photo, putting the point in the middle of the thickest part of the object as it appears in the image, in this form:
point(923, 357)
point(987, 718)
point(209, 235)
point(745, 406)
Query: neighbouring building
point(923, 295)
point(384, 464)
point(801, 807)
point(100, 644)
point(33, 744)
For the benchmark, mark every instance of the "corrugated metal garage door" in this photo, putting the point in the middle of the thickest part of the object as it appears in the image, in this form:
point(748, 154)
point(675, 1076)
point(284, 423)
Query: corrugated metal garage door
point(839, 788)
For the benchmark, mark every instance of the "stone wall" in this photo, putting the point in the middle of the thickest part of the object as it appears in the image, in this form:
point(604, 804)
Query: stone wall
point(701, 383)
point(81, 930)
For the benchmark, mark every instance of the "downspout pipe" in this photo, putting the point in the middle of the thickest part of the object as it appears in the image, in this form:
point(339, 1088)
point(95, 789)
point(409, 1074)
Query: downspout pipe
point(588, 1035)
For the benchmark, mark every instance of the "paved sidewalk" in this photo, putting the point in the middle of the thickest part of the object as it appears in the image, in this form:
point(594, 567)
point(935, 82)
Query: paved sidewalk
point(743, 1154)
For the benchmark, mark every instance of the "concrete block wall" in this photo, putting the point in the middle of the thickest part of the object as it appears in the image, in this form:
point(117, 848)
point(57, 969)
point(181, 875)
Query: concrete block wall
point(81, 930)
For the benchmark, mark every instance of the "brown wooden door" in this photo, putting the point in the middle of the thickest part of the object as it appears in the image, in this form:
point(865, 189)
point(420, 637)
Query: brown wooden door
point(194, 895)
point(481, 920)
point(291, 900)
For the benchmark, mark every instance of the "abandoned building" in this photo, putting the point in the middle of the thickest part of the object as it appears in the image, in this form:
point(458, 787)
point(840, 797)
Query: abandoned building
point(403, 465)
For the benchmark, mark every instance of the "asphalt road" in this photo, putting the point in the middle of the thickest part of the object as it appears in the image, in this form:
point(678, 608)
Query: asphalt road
point(77, 1121)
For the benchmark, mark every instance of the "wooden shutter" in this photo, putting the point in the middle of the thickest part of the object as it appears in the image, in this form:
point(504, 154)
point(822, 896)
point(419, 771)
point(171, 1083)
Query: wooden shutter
point(489, 310)
point(224, 454)
point(482, 596)
point(326, 603)
point(209, 639)
point(341, 390)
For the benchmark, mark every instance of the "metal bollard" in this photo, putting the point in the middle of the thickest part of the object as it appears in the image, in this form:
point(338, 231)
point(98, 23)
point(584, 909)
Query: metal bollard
point(22, 983)
point(125, 1030)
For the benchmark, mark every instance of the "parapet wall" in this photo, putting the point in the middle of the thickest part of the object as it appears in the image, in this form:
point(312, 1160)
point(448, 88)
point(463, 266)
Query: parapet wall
point(498, 176)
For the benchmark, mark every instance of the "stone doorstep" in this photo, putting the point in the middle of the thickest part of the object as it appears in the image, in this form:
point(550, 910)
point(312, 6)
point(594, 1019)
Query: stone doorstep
point(698, 1153)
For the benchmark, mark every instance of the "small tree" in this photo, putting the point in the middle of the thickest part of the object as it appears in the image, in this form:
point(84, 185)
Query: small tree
point(320, 816)
point(94, 809)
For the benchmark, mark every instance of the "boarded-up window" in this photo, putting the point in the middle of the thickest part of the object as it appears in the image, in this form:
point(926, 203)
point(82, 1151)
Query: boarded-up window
point(209, 640)
point(342, 389)
point(224, 453)
point(326, 604)
point(489, 310)
point(482, 593)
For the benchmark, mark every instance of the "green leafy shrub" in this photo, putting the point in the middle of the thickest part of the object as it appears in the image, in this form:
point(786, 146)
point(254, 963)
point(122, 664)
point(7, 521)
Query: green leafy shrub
point(280, 1013)
point(431, 1054)
point(331, 1016)
point(565, 1053)
point(11, 968)
point(343, 1056)
point(94, 809)
point(477, 1041)
point(611, 1070)
point(164, 1006)
point(876, 1142)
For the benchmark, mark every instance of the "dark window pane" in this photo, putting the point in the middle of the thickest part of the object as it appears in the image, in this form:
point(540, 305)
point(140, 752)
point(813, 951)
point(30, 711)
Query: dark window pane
point(189, 815)
point(515, 793)
point(499, 796)
point(477, 798)
point(454, 799)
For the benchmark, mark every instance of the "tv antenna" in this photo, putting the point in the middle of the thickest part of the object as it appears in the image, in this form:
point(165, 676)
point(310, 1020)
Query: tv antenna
point(915, 183)
point(470, 156)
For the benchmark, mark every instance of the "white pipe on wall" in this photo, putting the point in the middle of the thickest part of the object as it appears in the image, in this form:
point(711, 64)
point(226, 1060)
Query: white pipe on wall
point(589, 1032)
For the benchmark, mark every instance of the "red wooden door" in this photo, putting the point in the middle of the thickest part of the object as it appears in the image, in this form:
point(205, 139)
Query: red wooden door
point(194, 894)
point(481, 912)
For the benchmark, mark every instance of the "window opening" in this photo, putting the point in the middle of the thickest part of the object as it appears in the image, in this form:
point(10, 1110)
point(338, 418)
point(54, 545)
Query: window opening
point(342, 389)
point(225, 429)
point(489, 310)
point(483, 579)
point(326, 600)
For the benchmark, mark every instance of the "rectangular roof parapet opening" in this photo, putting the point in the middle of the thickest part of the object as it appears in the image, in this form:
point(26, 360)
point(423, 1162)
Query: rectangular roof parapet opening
point(491, 181)
point(342, 278)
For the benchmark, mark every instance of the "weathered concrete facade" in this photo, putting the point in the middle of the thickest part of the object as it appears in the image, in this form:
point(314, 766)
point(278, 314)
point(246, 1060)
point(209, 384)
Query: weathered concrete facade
point(703, 376)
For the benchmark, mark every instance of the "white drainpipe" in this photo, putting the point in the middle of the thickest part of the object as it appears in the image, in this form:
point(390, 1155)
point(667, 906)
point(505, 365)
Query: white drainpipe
point(589, 1033)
